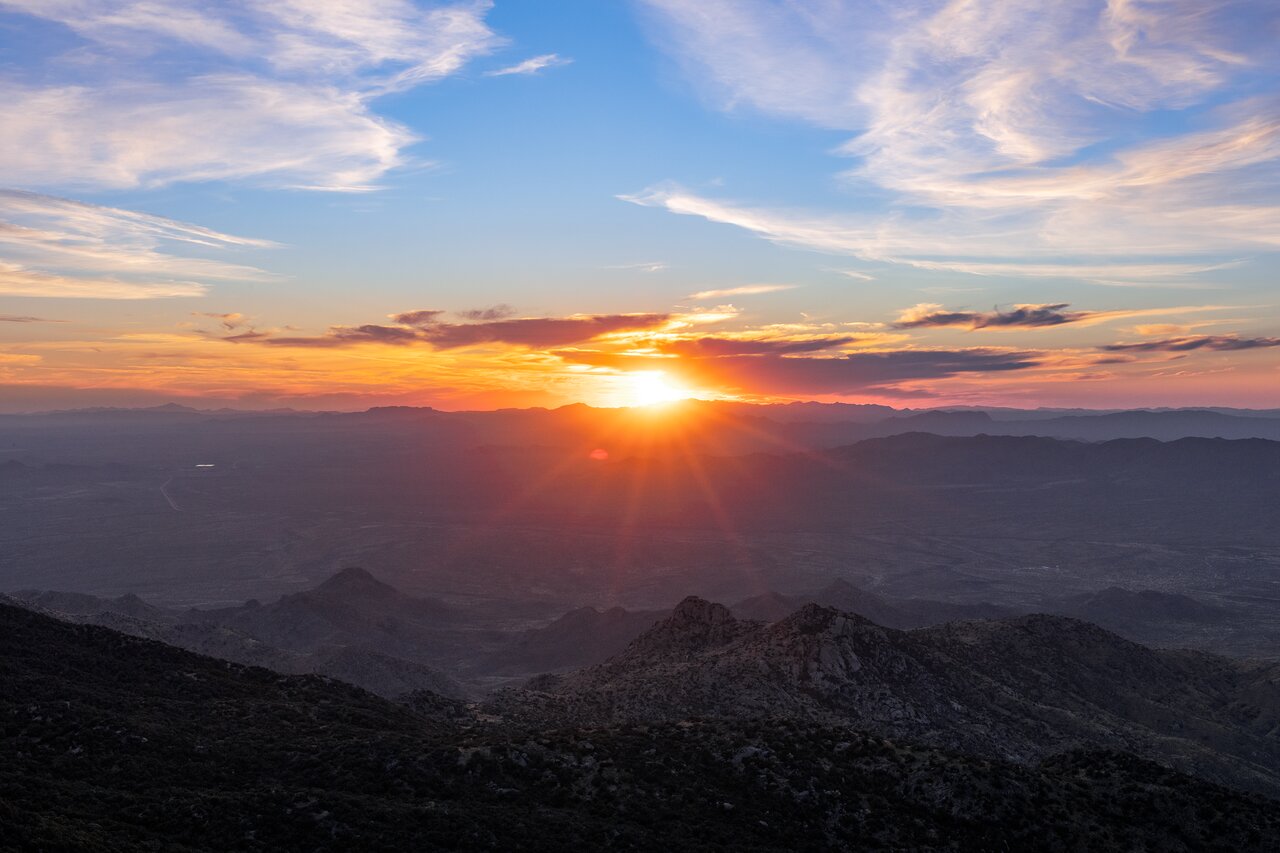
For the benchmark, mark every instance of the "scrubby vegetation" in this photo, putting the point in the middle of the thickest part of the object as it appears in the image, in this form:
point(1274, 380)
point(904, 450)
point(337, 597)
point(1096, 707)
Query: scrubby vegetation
point(110, 742)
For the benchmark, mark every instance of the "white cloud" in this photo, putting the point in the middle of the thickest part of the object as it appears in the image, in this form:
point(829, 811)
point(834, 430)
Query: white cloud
point(280, 93)
point(854, 274)
point(1010, 134)
point(644, 266)
point(212, 128)
point(744, 290)
point(61, 248)
point(1092, 272)
point(16, 281)
point(773, 56)
point(532, 65)
point(945, 242)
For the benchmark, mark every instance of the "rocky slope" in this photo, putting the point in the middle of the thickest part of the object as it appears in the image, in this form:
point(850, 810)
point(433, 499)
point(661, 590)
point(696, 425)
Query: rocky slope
point(111, 742)
point(1017, 690)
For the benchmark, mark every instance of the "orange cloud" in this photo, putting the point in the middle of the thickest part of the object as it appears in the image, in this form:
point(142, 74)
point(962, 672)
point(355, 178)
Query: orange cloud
point(422, 357)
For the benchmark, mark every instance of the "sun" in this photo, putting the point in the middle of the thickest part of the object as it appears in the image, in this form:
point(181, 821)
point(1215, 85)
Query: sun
point(652, 388)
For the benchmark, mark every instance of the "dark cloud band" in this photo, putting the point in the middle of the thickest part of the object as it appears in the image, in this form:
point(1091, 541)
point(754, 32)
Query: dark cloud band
point(420, 327)
point(1027, 316)
point(1217, 343)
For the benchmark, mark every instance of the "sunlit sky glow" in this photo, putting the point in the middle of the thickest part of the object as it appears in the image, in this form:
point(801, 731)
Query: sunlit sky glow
point(339, 204)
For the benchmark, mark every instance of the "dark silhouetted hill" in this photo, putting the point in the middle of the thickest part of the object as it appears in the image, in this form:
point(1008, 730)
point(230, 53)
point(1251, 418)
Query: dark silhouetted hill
point(111, 742)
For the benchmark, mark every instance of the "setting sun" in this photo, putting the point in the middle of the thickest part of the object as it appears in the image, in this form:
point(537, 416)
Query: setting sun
point(653, 387)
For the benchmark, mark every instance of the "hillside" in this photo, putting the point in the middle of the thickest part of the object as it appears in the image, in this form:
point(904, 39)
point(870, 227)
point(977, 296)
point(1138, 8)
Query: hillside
point(352, 626)
point(1017, 690)
point(111, 742)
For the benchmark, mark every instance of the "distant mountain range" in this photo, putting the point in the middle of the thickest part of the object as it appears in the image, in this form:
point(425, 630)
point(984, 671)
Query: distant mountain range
point(514, 505)
point(703, 427)
point(1118, 608)
point(114, 742)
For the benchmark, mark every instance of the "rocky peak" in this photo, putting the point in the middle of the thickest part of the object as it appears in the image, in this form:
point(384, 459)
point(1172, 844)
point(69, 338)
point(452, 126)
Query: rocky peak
point(695, 625)
point(816, 619)
point(355, 582)
point(698, 611)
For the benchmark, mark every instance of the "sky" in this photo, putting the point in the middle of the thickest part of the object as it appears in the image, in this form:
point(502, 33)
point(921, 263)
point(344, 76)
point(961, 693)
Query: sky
point(330, 204)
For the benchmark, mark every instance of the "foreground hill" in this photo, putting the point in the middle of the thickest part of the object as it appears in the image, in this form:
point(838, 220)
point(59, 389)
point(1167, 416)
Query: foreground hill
point(1017, 690)
point(111, 742)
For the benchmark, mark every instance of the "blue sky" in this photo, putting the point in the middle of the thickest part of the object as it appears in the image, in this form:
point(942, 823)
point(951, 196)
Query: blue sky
point(305, 168)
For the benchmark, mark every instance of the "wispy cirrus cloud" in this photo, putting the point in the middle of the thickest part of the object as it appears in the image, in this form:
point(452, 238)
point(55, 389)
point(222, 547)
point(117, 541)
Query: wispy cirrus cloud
point(273, 132)
point(58, 247)
point(743, 290)
point(857, 275)
point(531, 66)
point(643, 266)
point(1012, 139)
point(35, 217)
point(1133, 273)
point(16, 281)
point(279, 93)
point(953, 242)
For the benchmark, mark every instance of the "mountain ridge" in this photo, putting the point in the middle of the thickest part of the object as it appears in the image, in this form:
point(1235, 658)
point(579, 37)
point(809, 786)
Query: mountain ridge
point(1015, 690)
